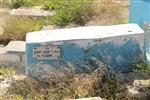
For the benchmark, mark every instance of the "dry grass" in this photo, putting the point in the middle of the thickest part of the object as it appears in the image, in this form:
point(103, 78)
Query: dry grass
point(108, 6)
point(66, 85)
point(108, 12)
point(5, 3)
point(17, 28)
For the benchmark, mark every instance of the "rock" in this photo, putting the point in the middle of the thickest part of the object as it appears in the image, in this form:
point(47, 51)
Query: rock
point(141, 96)
point(132, 91)
point(92, 98)
point(141, 83)
point(35, 11)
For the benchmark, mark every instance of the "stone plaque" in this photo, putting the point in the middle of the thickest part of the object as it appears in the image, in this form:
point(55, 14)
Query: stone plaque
point(46, 53)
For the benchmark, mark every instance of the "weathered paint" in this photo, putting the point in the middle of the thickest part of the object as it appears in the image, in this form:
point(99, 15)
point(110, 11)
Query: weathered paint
point(139, 11)
point(118, 51)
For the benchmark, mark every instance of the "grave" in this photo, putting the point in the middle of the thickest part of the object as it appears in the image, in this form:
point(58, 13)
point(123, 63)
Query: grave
point(35, 12)
point(117, 46)
point(140, 14)
point(13, 55)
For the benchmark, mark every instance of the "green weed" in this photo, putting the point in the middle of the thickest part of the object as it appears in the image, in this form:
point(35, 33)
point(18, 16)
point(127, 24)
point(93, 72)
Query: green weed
point(141, 67)
point(20, 3)
point(73, 11)
point(6, 72)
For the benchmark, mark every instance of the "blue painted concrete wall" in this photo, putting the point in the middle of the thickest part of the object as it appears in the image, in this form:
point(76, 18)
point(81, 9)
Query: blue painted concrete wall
point(139, 11)
point(118, 52)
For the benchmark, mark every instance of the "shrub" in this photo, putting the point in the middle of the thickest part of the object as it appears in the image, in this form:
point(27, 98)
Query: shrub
point(141, 67)
point(65, 83)
point(16, 28)
point(109, 88)
point(5, 3)
point(57, 88)
point(70, 86)
point(71, 12)
point(50, 5)
point(28, 3)
point(6, 72)
point(27, 88)
point(20, 3)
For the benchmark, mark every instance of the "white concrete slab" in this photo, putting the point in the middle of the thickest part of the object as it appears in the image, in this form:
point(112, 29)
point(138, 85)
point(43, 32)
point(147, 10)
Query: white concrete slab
point(16, 47)
point(90, 32)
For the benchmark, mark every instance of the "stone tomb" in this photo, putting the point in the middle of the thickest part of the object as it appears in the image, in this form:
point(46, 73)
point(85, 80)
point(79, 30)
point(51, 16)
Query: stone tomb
point(117, 46)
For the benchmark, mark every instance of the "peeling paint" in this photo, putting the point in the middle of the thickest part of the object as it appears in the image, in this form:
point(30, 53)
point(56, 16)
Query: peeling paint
point(119, 57)
point(118, 52)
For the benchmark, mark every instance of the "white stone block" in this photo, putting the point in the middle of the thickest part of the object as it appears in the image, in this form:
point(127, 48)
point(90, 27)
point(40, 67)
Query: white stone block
point(16, 47)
